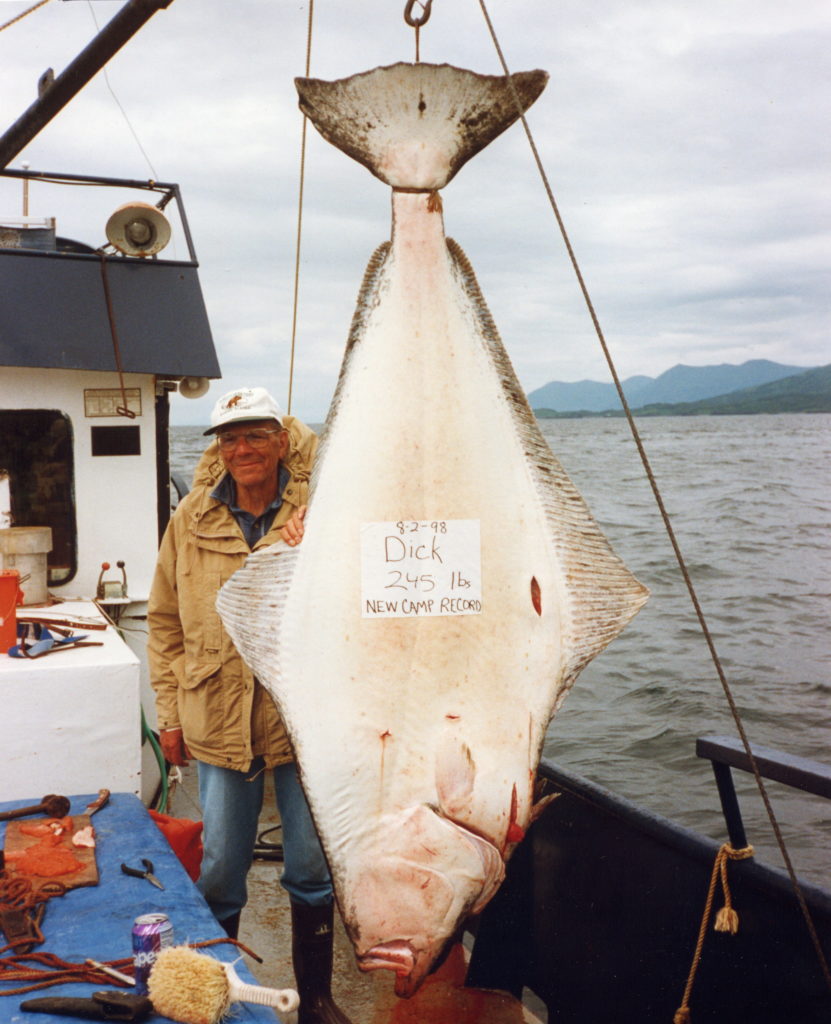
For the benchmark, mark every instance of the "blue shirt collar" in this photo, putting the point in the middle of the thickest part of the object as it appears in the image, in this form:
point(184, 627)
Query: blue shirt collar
point(253, 527)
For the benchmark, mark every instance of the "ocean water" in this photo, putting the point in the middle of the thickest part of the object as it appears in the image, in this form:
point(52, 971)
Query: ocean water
point(750, 502)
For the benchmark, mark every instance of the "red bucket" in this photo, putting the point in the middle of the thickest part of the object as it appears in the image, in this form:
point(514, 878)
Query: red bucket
point(10, 597)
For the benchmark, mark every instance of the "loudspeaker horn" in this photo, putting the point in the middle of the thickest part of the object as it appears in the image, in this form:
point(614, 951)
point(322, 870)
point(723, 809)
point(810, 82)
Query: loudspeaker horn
point(194, 387)
point(138, 229)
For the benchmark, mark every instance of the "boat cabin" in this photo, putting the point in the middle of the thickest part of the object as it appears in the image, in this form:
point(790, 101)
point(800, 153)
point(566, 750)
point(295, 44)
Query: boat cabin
point(95, 333)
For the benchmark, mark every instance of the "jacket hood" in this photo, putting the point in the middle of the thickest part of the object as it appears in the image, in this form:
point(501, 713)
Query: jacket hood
point(209, 469)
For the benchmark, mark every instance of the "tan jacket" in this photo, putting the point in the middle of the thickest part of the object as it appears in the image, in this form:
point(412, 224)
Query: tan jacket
point(202, 684)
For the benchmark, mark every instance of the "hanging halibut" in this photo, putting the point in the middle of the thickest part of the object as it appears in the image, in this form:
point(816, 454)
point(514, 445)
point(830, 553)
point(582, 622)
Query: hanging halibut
point(451, 583)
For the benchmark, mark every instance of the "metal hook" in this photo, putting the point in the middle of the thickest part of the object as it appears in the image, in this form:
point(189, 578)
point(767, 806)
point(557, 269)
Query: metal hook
point(408, 13)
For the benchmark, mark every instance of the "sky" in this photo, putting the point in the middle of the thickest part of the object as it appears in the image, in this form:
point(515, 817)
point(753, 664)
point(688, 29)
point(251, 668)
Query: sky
point(687, 146)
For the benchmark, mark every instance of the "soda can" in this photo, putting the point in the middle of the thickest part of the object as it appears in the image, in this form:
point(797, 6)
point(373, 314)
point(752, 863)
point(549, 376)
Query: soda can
point(151, 934)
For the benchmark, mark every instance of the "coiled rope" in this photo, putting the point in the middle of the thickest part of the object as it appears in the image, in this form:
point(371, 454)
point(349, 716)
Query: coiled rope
point(666, 520)
point(42, 970)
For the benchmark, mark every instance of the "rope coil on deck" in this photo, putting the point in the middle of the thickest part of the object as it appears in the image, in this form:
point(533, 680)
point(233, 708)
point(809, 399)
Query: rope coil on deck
point(727, 919)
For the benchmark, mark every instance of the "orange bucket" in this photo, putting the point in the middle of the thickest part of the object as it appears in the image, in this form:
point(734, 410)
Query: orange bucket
point(10, 597)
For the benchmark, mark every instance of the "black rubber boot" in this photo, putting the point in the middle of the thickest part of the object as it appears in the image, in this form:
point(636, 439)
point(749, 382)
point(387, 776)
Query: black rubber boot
point(311, 950)
point(231, 925)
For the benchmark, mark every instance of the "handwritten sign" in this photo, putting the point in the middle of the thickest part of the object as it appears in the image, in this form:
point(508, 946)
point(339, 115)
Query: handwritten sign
point(419, 568)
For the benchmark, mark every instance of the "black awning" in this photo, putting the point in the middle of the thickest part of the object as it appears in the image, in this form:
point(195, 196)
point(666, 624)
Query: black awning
point(53, 314)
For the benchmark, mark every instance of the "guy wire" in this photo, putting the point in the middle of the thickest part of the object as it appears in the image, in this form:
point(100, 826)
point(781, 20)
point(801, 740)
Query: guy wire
point(665, 516)
point(299, 214)
point(19, 17)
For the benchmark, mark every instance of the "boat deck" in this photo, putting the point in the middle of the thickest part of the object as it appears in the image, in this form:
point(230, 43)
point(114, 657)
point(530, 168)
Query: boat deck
point(265, 927)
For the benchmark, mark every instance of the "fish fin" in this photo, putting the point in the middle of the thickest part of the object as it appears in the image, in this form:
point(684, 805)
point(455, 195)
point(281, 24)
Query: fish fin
point(251, 606)
point(542, 804)
point(603, 595)
point(455, 776)
point(363, 307)
point(415, 125)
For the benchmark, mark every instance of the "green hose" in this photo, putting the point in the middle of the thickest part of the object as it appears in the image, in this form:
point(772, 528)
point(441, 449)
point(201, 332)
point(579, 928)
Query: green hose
point(148, 734)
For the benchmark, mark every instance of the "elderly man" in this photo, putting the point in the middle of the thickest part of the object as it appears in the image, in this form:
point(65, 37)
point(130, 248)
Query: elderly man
point(250, 490)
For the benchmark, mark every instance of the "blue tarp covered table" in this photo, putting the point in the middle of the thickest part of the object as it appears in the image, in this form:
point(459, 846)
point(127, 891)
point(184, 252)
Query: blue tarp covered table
point(96, 921)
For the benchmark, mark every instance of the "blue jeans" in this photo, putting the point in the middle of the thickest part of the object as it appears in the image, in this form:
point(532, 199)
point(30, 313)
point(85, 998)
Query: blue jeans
point(231, 803)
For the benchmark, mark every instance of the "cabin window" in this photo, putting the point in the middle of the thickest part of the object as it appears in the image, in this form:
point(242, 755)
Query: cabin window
point(36, 452)
point(116, 441)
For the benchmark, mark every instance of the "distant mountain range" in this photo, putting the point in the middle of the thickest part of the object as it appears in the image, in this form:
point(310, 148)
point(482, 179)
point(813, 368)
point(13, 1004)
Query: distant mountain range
point(755, 386)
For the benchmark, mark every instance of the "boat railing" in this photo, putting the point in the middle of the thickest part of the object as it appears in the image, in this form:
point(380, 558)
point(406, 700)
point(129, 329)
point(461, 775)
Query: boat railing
point(163, 191)
point(727, 752)
point(602, 903)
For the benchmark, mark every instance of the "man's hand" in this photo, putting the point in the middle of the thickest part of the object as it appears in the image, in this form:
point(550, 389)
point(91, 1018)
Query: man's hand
point(173, 746)
point(292, 532)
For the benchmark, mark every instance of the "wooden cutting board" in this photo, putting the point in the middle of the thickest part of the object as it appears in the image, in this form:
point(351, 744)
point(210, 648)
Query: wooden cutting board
point(20, 838)
point(24, 834)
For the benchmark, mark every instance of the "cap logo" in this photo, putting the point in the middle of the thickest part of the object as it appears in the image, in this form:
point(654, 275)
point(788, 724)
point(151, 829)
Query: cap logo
point(244, 404)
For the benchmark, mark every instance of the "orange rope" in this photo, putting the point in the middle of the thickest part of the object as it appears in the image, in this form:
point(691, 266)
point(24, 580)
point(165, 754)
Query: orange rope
point(727, 920)
point(52, 970)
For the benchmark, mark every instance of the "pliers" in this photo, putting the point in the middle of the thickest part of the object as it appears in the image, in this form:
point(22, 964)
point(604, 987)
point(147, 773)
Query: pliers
point(147, 873)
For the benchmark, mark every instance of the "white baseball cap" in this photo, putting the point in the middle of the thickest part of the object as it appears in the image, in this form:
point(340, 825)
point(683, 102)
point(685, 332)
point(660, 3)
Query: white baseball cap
point(244, 404)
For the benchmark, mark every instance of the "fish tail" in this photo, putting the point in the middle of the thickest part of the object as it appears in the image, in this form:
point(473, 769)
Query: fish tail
point(415, 125)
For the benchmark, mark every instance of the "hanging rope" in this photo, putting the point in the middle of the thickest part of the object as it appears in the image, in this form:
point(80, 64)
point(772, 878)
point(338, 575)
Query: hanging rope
point(123, 409)
point(666, 519)
point(727, 920)
point(300, 214)
point(416, 22)
point(19, 17)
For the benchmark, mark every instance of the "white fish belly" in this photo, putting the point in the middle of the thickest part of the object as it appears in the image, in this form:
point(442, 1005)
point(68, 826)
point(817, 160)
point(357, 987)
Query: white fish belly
point(423, 433)
point(403, 725)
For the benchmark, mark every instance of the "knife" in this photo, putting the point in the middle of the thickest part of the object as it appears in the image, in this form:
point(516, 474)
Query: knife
point(102, 1006)
point(98, 802)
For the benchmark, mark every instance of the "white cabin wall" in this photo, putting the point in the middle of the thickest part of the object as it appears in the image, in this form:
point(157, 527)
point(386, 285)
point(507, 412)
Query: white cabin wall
point(116, 518)
point(115, 496)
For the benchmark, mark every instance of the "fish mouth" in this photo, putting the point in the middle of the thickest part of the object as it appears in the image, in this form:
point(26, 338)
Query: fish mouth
point(406, 932)
point(397, 955)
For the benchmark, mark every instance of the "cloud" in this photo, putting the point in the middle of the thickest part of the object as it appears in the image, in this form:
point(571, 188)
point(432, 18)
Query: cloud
point(686, 144)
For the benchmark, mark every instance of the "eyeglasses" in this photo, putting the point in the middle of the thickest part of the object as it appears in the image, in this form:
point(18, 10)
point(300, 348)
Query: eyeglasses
point(253, 438)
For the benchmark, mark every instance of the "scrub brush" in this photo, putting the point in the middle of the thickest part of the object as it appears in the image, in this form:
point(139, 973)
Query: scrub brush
point(196, 989)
